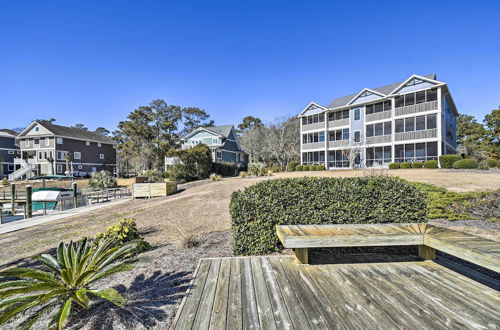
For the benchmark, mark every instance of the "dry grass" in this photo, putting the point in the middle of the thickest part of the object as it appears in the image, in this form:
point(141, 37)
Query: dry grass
point(454, 180)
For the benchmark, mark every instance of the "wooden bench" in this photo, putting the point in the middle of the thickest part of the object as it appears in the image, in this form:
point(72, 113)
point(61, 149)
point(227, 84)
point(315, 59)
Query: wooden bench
point(428, 238)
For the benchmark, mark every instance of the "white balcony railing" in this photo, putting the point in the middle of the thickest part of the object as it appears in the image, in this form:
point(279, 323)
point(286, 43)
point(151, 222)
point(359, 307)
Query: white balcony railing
point(310, 127)
point(378, 115)
point(416, 135)
point(416, 108)
point(338, 123)
point(314, 145)
point(378, 139)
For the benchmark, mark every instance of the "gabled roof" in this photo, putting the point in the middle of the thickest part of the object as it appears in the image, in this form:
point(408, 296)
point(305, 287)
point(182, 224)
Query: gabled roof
point(70, 132)
point(384, 90)
point(222, 131)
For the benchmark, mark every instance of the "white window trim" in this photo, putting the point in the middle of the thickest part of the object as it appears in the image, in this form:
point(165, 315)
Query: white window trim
point(59, 140)
point(59, 168)
point(80, 167)
point(77, 155)
point(47, 141)
point(11, 152)
point(99, 144)
point(101, 156)
point(87, 143)
point(27, 142)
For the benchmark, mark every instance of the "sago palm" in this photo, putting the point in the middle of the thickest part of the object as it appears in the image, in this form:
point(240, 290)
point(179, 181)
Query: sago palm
point(65, 281)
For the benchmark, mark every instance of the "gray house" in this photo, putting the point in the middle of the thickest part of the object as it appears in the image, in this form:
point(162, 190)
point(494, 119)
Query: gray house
point(221, 140)
point(43, 141)
point(411, 120)
point(9, 150)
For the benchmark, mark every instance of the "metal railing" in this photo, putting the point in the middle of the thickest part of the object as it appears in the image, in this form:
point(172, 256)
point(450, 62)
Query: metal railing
point(103, 195)
point(310, 127)
point(338, 123)
point(378, 115)
point(378, 139)
point(314, 145)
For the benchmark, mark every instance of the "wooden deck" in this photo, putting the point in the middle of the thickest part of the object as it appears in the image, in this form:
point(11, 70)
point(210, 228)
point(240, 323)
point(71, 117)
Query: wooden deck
point(355, 292)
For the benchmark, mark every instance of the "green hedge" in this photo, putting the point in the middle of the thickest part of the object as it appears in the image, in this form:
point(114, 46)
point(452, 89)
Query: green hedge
point(225, 169)
point(483, 165)
point(431, 164)
point(465, 164)
point(394, 166)
point(405, 165)
point(291, 166)
point(307, 167)
point(446, 161)
point(299, 168)
point(492, 162)
point(320, 167)
point(417, 165)
point(257, 210)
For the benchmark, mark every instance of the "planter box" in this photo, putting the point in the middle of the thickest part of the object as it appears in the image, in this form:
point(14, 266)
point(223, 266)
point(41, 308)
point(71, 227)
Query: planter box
point(157, 189)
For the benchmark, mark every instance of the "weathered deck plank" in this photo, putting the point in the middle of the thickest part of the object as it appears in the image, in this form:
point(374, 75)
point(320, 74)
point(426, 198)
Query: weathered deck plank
point(278, 293)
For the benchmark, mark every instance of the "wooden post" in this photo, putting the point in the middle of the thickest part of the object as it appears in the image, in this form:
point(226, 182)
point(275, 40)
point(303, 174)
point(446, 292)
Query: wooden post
point(75, 193)
point(29, 203)
point(13, 199)
point(302, 255)
point(426, 253)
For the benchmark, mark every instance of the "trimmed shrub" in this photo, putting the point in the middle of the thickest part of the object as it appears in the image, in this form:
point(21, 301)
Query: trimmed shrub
point(307, 167)
point(405, 165)
point(483, 165)
point(257, 210)
point(465, 164)
point(431, 164)
point(225, 169)
point(394, 166)
point(299, 168)
point(446, 161)
point(492, 162)
point(193, 164)
point(417, 165)
point(291, 166)
point(320, 167)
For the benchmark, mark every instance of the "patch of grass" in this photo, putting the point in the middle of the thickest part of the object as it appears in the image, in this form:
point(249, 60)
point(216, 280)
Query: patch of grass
point(444, 204)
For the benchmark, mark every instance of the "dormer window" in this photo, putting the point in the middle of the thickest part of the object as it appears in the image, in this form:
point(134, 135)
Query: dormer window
point(37, 129)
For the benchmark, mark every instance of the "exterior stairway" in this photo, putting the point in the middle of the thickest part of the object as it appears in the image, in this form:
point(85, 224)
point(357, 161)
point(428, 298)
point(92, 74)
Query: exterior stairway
point(25, 169)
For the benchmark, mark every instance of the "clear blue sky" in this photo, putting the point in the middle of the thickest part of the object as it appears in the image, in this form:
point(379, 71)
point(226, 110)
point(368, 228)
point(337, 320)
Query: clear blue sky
point(93, 62)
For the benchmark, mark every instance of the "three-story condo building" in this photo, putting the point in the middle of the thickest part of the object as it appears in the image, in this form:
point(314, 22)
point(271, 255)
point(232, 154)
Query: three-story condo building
point(44, 147)
point(413, 120)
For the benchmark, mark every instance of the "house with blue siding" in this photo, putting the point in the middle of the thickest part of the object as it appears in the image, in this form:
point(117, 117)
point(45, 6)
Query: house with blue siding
point(407, 121)
point(9, 150)
point(221, 140)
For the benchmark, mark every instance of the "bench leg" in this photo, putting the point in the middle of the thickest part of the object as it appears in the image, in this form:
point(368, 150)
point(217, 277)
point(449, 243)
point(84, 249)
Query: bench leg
point(426, 253)
point(302, 255)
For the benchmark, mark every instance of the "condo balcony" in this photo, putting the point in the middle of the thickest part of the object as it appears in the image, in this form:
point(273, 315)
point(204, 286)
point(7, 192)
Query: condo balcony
point(314, 145)
point(378, 116)
point(416, 135)
point(338, 123)
point(313, 126)
point(416, 108)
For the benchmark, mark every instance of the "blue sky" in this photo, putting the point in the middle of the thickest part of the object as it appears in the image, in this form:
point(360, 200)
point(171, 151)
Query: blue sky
point(93, 62)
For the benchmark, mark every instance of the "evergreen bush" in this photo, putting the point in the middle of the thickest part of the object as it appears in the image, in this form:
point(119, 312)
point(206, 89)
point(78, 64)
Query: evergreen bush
point(431, 164)
point(394, 166)
point(257, 210)
point(446, 161)
point(417, 164)
point(405, 165)
point(468, 163)
point(492, 162)
point(291, 166)
point(299, 168)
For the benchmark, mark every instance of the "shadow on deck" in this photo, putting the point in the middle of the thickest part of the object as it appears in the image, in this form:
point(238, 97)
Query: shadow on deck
point(276, 293)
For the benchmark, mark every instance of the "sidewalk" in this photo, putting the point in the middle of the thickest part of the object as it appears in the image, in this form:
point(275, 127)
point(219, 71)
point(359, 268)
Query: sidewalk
point(37, 220)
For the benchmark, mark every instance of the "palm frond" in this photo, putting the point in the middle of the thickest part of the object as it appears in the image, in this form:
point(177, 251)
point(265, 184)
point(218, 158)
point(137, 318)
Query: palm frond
point(33, 318)
point(8, 302)
point(48, 261)
point(111, 295)
point(13, 310)
point(23, 272)
point(33, 288)
point(65, 312)
point(111, 270)
point(14, 284)
point(82, 298)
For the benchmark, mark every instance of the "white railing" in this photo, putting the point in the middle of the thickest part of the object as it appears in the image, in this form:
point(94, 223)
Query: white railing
point(338, 123)
point(22, 171)
point(314, 145)
point(338, 144)
point(416, 135)
point(415, 108)
point(310, 127)
point(378, 115)
point(378, 139)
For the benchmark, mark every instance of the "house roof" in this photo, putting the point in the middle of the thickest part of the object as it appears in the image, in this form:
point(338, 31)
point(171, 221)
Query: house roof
point(386, 90)
point(71, 132)
point(7, 135)
point(222, 131)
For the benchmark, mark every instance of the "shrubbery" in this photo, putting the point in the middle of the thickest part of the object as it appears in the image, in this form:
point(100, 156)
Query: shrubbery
point(102, 180)
point(417, 165)
point(483, 165)
point(320, 167)
point(394, 166)
point(492, 162)
point(123, 232)
point(405, 165)
point(291, 166)
point(446, 161)
point(431, 164)
point(307, 167)
point(225, 169)
point(299, 168)
point(193, 164)
point(256, 169)
point(257, 210)
point(465, 164)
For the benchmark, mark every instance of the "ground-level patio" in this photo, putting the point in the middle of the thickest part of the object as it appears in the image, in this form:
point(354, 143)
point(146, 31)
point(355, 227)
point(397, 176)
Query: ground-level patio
point(355, 291)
